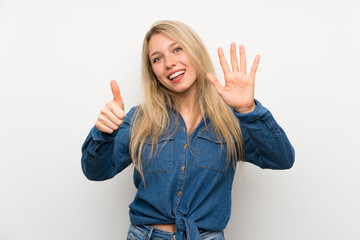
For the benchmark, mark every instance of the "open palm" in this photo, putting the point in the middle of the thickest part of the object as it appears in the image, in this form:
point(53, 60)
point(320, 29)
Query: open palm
point(238, 91)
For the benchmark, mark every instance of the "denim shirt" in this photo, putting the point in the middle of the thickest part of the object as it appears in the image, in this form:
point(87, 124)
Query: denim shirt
point(187, 179)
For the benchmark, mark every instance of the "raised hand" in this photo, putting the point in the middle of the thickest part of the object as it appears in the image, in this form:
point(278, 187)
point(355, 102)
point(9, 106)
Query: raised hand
point(238, 91)
point(112, 115)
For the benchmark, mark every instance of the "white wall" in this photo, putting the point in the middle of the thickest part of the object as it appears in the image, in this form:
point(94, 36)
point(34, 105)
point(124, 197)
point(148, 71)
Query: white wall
point(56, 62)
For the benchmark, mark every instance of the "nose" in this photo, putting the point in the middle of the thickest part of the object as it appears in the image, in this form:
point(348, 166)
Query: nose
point(170, 61)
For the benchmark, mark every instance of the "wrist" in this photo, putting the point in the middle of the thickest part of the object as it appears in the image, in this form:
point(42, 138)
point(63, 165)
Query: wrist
point(244, 110)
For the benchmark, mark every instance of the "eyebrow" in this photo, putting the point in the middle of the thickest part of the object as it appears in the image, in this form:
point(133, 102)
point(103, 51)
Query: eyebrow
point(171, 45)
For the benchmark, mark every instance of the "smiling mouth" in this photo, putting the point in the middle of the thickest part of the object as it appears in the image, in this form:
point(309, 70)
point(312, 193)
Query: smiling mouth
point(173, 76)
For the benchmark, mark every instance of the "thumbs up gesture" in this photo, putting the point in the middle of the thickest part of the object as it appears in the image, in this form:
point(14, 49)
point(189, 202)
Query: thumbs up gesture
point(112, 115)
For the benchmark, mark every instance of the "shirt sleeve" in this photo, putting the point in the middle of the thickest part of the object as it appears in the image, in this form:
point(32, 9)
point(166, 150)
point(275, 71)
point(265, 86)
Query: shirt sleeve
point(105, 155)
point(265, 142)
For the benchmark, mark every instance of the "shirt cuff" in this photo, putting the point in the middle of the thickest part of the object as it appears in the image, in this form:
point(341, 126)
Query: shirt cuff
point(258, 112)
point(101, 136)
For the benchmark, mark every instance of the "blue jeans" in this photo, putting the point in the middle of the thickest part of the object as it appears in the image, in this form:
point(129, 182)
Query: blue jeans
point(148, 232)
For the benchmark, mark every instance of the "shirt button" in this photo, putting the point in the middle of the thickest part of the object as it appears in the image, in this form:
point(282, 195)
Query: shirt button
point(183, 168)
point(185, 146)
point(179, 193)
point(184, 130)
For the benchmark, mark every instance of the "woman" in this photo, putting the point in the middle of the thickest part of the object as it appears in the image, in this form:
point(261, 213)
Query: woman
point(185, 138)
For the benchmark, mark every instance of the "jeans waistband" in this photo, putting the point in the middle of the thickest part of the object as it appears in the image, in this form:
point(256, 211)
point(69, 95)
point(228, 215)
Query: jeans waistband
point(145, 232)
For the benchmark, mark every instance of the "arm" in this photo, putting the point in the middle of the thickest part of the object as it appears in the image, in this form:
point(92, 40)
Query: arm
point(106, 154)
point(265, 142)
point(105, 151)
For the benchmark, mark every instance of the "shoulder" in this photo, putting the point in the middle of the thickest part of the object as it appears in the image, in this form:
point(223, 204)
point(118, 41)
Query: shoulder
point(132, 111)
point(130, 114)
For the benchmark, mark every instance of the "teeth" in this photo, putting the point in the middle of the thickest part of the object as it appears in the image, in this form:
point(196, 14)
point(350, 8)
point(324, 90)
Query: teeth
point(174, 75)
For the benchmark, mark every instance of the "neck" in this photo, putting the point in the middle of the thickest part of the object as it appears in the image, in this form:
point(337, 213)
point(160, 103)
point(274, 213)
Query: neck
point(187, 102)
point(188, 109)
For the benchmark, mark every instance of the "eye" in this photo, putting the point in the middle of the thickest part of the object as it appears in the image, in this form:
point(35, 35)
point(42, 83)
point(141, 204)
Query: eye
point(178, 49)
point(156, 59)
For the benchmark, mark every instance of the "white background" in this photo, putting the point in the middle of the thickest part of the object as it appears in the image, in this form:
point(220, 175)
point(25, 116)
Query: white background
point(56, 62)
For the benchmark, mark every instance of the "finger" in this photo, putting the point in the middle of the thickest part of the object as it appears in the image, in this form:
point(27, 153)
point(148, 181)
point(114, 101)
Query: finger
point(233, 57)
point(215, 82)
point(116, 110)
point(254, 66)
point(108, 123)
point(223, 62)
point(108, 113)
point(242, 59)
point(116, 93)
point(103, 128)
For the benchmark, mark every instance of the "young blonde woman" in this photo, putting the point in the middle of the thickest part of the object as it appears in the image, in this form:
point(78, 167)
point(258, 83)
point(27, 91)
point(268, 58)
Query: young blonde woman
point(186, 138)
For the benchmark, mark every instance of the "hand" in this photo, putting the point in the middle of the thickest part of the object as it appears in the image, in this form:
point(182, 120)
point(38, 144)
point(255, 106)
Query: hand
point(112, 115)
point(238, 91)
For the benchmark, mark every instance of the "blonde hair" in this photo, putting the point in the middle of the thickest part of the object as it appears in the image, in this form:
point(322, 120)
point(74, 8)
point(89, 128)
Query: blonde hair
point(151, 118)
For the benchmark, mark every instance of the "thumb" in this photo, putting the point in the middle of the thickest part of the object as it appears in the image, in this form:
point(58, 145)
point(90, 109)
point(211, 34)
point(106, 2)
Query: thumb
point(215, 82)
point(116, 93)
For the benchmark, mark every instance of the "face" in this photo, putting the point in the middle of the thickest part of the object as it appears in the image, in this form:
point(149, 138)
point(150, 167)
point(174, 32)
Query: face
point(172, 65)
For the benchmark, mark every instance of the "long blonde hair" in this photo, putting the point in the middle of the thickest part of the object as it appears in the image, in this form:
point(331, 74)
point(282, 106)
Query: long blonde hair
point(151, 118)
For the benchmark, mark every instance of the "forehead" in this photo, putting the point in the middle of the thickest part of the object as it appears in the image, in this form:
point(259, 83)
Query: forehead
point(160, 42)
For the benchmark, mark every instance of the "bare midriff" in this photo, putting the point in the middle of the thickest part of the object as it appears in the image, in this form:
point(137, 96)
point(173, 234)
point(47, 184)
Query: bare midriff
point(166, 227)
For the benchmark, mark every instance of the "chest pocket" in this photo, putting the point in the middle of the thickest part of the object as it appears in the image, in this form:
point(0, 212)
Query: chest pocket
point(161, 158)
point(210, 153)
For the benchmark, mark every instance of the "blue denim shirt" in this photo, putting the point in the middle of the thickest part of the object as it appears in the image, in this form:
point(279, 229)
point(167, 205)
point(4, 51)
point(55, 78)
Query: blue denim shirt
point(187, 183)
